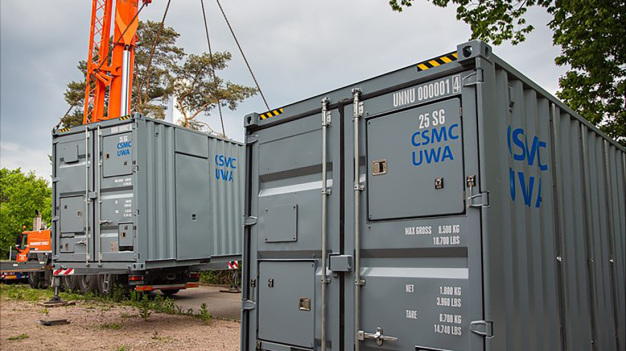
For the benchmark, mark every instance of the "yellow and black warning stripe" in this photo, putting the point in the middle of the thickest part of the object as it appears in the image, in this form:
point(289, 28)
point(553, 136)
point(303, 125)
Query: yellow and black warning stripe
point(123, 118)
point(437, 61)
point(64, 130)
point(271, 113)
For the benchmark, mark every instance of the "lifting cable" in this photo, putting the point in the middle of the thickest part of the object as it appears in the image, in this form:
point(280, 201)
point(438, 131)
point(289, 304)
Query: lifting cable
point(242, 54)
point(208, 40)
point(146, 79)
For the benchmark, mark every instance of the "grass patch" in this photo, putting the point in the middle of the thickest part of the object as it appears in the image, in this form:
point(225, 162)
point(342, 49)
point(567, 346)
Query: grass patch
point(19, 337)
point(25, 293)
point(143, 302)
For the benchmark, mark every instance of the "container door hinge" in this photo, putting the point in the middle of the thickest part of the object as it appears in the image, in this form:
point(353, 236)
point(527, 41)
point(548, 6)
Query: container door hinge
point(55, 179)
point(252, 138)
point(483, 328)
point(474, 78)
point(248, 305)
point(93, 195)
point(250, 220)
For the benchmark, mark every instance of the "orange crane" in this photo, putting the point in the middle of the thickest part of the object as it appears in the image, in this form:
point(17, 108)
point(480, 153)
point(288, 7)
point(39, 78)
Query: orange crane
point(115, 76)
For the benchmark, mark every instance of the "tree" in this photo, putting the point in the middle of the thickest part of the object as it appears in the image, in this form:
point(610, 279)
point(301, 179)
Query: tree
point(198, 90)
point(20, 195)
point(155, 56)
point(591, 36)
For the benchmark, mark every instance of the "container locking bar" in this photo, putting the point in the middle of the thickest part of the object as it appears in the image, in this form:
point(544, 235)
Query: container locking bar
point(378, 336)
point(325, 194)
point(358, 282)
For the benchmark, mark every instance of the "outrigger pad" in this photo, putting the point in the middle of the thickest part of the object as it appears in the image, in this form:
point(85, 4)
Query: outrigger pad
point(52, 322)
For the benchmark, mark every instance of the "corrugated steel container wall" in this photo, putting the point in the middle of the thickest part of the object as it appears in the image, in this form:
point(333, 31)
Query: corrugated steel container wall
point(520, 243)
point(227, 200)
point(556, 232)
point(163, 196)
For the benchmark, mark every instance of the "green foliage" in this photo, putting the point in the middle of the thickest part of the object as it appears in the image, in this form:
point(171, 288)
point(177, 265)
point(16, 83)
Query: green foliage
point(198, 91)
point(204, 313)
point(591, 36)
point(142, 303)
point(19, 337)
point(20, 196)
point(217, 277)
point(146, 304)
point(156, 54)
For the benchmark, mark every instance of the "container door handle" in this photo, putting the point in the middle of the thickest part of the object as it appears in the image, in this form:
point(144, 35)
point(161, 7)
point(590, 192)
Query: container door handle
point(378, 336)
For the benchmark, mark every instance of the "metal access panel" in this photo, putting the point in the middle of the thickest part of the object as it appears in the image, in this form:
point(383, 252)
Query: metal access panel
point(515, 240)
point(72, 211)
point(400, 178)
point(150, 195)
point(117, 157)
point(287, 292)
point(192, 206)
point(280, 224)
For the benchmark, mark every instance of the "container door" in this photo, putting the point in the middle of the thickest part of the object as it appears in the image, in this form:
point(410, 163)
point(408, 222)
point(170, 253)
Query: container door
point(420, 270)
point(192, 207)
point(72, 190)
point(283, 266)
point(115, 185)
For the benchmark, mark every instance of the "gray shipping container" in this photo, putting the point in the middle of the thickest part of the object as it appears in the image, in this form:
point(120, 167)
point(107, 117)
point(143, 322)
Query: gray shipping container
point(137, 193)
point(484, 214)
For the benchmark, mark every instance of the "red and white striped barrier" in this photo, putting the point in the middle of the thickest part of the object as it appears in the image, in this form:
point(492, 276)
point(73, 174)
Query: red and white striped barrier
point(233, 265)
point(69, 271)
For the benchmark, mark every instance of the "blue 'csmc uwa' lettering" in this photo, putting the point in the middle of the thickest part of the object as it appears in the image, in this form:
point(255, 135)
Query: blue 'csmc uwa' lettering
point(228, 164)
point(529, 154)
point(123, 148)
point(433, 154)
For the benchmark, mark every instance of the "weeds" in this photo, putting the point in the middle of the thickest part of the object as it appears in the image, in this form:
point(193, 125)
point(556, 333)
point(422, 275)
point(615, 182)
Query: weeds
point(204, 313)
point(145, 303)
point(142, 303)
point(19, 337)
point(111, 326)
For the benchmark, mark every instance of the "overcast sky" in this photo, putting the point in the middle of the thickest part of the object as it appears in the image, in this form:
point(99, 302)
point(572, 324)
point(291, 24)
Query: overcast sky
point(297, 49)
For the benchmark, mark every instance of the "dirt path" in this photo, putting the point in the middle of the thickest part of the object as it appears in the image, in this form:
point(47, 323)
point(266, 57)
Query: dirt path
point(102, 326)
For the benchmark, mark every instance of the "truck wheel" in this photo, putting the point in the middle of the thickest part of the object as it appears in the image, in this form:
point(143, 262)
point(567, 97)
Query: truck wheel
point(106, 283)
point(45, 279)
point(169, 292)
point(33, 279)
point(87, 283)
point(70, 283)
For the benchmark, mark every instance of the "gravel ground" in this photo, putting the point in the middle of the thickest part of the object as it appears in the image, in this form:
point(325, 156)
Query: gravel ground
point(100, 326)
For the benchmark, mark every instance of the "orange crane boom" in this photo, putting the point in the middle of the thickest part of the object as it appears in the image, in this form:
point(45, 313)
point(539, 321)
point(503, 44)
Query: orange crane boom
point(115, 76)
